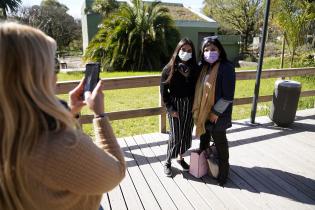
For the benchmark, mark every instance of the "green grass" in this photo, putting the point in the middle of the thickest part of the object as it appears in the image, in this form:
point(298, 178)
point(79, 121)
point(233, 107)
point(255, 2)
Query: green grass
point(80, 75)
point(126, 99)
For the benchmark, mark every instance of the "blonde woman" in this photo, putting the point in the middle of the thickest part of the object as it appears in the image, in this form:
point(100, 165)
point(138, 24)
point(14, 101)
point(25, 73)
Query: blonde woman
point(45, 161)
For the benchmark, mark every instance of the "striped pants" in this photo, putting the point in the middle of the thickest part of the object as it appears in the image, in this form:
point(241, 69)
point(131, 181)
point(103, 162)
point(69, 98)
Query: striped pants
point(180, 128)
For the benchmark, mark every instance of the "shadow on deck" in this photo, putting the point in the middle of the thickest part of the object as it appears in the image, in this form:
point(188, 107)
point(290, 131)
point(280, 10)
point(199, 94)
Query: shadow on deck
point(271, 168)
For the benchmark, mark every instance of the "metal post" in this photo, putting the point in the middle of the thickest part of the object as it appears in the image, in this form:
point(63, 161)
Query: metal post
point(282, 54)
point(260, 62)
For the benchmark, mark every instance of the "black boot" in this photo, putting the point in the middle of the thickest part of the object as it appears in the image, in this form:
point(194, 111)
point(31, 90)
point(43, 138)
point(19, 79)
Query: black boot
point(223, 155)
point(168, 169)
point(224, 169)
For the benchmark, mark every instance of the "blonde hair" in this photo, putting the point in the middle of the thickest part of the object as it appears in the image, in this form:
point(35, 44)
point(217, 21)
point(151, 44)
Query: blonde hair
point(27, 97)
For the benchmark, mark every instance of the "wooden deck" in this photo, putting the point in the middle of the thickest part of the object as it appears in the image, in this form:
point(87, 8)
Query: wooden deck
point(271, 168)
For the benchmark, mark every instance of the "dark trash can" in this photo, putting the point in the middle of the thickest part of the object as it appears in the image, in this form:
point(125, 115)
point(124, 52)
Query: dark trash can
point(285, 102)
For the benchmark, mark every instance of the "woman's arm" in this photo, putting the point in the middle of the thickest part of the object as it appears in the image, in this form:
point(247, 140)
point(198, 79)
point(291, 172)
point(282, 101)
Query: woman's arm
point(74, 163)
point(228, 89)
point(164, 91)
point(77, 164)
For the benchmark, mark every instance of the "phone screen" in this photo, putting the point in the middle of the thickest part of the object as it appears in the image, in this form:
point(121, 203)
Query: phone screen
point(92, 76)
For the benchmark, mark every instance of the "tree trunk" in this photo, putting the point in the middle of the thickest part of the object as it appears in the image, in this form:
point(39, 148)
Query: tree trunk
point(246, 42)
point(242, 43)
point(292, 58)
point(282, 52)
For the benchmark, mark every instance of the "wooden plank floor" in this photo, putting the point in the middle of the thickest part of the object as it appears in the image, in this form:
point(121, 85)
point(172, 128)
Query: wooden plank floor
point(271, 168)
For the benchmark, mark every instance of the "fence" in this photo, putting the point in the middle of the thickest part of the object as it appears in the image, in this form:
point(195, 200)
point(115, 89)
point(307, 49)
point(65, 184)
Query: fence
point(149, 81)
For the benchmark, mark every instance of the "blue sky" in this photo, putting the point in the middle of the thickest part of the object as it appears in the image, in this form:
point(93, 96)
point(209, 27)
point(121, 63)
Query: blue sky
point(75, 5)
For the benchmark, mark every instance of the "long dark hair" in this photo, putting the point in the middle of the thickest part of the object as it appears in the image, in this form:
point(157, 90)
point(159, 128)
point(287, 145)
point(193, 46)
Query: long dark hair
point(215, 41)
point(175, 59)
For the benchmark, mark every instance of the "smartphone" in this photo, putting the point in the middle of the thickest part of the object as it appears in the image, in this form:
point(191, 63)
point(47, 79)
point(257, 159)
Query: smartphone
point(92, 76)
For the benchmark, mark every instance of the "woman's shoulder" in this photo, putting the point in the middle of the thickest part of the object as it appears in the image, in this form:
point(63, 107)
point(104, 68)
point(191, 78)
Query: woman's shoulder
point(55, 146)
point(165, 74)
point(198, 67)
point(63, 140)
point(200, 64)
point(165, 70)
point(227, 65)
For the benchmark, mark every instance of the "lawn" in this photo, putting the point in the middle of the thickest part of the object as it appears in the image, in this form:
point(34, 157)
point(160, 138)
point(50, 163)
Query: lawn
point(125, 99)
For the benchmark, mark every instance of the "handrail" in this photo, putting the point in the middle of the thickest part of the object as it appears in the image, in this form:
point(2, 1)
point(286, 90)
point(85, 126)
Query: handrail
point(154, 80)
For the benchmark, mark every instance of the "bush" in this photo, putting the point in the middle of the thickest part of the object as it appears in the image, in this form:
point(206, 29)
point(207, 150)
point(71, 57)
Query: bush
point(273, 49)
point(137, 37)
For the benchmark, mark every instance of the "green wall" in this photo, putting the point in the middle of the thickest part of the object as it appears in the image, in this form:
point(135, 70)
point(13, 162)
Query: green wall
point(231, 45)
point(90, 22)
point(193, 34)
point(196, 34)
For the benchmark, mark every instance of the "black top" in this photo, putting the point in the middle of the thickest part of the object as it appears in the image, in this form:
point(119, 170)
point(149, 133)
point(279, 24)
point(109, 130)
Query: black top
point(179, 86)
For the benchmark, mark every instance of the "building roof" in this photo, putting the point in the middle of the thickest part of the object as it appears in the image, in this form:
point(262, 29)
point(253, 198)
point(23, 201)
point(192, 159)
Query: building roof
point(179, 12)
point(183, 15)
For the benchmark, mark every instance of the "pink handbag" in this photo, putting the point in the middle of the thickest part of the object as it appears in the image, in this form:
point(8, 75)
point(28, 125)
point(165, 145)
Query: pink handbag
point(198, 163)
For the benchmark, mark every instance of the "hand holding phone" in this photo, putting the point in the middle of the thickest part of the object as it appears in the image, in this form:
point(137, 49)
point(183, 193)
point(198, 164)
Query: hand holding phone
point(75, 98)
point(92, 72)
point(95, 99)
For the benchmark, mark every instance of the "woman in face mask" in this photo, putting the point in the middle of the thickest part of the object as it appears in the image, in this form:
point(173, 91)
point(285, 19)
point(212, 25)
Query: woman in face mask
point(177, 90)
point(212, 108)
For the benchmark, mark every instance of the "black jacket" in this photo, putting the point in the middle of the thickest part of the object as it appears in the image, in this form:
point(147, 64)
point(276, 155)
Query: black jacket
point(224, 95)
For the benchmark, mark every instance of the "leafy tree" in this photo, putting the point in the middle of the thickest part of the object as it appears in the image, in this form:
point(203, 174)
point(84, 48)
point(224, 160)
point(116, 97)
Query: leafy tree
point(52, 18)
point(241, 15)
point(6, 5)
point(311, 30)
point(104, 7)
point(138, 36)
point(293, 17)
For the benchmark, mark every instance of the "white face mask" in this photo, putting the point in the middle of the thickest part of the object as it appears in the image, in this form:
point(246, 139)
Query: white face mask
point(184, 56)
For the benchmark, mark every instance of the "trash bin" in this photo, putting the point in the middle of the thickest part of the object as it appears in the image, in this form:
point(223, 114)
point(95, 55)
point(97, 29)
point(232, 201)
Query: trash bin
point(284, 102)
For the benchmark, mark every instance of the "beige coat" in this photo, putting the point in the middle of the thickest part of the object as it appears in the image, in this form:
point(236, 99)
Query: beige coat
point(204, 97)
point(68, 171)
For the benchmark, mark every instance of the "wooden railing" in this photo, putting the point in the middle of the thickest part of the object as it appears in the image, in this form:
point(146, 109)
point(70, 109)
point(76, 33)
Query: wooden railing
point(149, 81)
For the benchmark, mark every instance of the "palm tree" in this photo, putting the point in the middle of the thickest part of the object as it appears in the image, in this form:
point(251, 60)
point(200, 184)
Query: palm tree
point(137, 36)
point(12, 5)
